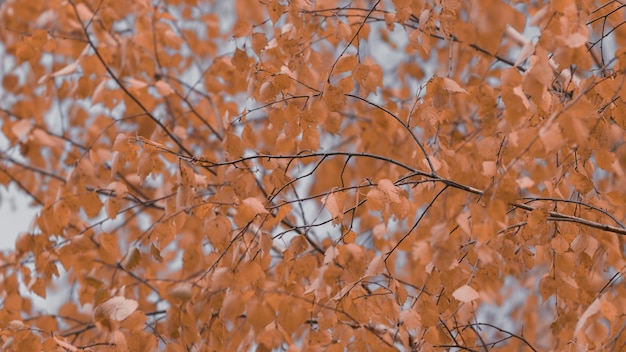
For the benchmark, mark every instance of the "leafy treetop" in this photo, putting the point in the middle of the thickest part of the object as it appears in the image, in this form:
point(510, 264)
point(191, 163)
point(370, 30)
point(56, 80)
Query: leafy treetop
point(315, 175)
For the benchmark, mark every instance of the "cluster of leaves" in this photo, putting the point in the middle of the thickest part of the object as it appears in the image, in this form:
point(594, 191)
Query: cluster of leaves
point(314, 175)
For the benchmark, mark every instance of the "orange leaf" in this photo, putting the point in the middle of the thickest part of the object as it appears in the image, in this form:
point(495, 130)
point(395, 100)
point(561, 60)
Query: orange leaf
point(240, 60)
point(376, 199)
point(334, 204)
point(163, 88)
point(489, 168)
point(463, 220)
point(233, 146)
point(617, 197)
point(330, 255)
point(91, 204)
point(389, 189)
point(452, 86)
point(343, 31)
point(133, 258)
point(255, 206)
point(376, 266)
point(117, 308)
point(120, 190)
point(552, 138)
point(21, 128)
point(112, 207)
point(310, 139)
point(559, 244)
point(137, 84)
point(349, 237)
point(25, 51)
point(345, 63)
point(465, 294)
point(181, 292)
point(38, 286)
point(581, 182)
point(84, 13)
point(591, 310)
point(275, 10)
point(410, 319)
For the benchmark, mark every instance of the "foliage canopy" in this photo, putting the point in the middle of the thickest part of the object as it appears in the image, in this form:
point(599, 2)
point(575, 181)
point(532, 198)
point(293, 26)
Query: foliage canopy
point(315, 175)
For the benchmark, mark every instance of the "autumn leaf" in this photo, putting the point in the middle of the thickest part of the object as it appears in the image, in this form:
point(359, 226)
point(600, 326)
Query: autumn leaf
point(133, 258)
point(181, 292)
point(349, 237)
point(334, 204)
point(376, 266)
point(25, 51)
point(452, 86)
point(345, 63)
point(254, 205)
point(117, 308)
point(163, 88)
point(465, 294)
point(343, 31)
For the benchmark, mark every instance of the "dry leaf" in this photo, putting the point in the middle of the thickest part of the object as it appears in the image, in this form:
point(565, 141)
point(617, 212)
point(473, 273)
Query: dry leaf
point(465, 294)
point(118, 308)
point(255, 205)
point(334, 204)
point(452, 86)
point(376, 266)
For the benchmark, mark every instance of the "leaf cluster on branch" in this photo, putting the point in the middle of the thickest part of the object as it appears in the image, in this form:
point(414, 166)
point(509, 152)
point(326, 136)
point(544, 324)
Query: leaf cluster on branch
point(314, 175)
